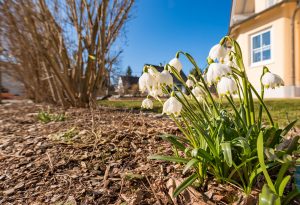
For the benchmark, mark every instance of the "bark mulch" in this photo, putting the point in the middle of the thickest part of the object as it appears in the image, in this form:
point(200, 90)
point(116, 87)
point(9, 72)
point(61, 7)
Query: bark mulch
point(94, 156)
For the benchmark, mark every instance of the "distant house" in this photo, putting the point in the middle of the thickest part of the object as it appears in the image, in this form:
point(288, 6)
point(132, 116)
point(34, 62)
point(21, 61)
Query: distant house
point(128, 85)
point(268, 32)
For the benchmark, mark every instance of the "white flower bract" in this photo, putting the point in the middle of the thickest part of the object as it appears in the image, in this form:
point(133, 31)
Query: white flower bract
point(146, 82)
point(271, 80)
point(165, 78)
point(216, 71)
point(226, 86)
point(156, 91)
point(199, 93)
point(217, 52)
point(147, 104)
point(172, 106)
point(175, 62)
point(189, 83)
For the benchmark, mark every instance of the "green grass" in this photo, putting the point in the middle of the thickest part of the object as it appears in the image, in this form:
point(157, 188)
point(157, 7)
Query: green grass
point(282, 110)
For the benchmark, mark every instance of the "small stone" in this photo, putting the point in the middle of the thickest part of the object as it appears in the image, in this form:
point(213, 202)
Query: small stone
point(19, 185)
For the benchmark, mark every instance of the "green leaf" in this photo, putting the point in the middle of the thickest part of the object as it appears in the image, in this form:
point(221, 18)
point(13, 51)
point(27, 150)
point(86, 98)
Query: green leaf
point(169, 158)
point(187, 182)
point(260, 153)
point(173, 141)
point(267, 197)
point(191, 163)
point(283, 185)
point(226, 147)
point(293, 145)
point(288, 128)
point(290, 196)
point(202, 153)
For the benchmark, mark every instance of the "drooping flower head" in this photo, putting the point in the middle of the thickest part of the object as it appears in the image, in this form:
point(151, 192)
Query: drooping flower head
point(156, 91)
point(199, 93)
point(216, 71)
point(165, 78)
point(226, 86)
point(217, 52)
point(172, 106)
point(146, 82)
point(147, 103)
point(271, 80)
point(175, 62)
point(190, 82)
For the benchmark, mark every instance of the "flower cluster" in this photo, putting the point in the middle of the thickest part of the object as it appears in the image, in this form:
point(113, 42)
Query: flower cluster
point(229, 140)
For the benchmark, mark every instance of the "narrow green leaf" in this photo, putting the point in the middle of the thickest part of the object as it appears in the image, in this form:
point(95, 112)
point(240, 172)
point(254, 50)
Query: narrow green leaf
point(283, 185)
point(169, 158)
point(293, 145)
point(226, 147)
point(187, 182)
point(267, 197)
point(191, 163)
point(202, 153)
point(288, 128)
point(290, 197)
point(260, 153)
point(173, 141)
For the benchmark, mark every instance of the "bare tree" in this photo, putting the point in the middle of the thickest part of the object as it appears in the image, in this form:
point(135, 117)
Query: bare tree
point(63, 51)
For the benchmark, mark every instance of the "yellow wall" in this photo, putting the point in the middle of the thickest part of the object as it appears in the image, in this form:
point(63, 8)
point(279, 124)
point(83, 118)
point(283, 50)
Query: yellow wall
point(278, 20)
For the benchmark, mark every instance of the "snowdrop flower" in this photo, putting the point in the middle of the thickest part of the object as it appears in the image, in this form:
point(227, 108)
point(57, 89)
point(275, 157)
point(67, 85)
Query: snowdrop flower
point(147, 104)
point(176, 64)
point(271, 80)
point(172, 106)
point(189, 83)
point(226, 86)
point(165, 78)
point(156, 91)
point(153, 71)
point(217, 52)
point(216, 71)
point(146, 82)
point(198, 93)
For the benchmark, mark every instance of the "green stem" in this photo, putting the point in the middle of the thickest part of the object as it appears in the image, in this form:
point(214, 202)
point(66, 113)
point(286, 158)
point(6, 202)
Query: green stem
point(262, 104)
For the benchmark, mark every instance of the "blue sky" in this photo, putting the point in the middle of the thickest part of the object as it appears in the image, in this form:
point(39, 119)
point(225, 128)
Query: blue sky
point(159, 28)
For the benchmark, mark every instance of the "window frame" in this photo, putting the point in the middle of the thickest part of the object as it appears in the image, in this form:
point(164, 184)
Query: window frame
point(261, 62)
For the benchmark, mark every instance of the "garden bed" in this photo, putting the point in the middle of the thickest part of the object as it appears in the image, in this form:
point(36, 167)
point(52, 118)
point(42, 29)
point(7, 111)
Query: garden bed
point(92, 157)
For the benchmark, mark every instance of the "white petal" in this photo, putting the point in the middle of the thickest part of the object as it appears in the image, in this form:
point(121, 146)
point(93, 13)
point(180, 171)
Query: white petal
point(176, 64)
point(217, 52)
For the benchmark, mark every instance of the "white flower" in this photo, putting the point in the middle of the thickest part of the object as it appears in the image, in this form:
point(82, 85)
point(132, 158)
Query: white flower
point(227, 86)
point(176, 64)
point(189, 83)
point(156, 91)
point(165, 78)
point(271, 80)
point(152, 71)
point(198, 93)
point(217, 52)
point(147, 103)
point(172, 106)
point(216, 71)
point(146, 82)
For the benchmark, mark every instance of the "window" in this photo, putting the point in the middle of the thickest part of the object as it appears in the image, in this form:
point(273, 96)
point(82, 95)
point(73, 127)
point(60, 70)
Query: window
point(270, 3)
point(261, 47)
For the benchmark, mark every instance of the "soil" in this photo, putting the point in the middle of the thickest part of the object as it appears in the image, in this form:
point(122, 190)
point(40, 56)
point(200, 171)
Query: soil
point(94, 156)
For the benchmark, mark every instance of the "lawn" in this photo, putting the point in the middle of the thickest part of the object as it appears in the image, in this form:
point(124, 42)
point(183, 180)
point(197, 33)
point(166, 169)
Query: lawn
point(282, 110)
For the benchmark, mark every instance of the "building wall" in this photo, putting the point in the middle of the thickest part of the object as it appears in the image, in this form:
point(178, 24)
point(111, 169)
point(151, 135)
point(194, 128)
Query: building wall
point(278, 20)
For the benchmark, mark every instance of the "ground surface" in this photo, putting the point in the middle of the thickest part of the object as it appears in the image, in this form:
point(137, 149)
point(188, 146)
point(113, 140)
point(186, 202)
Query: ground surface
point(97, 157)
